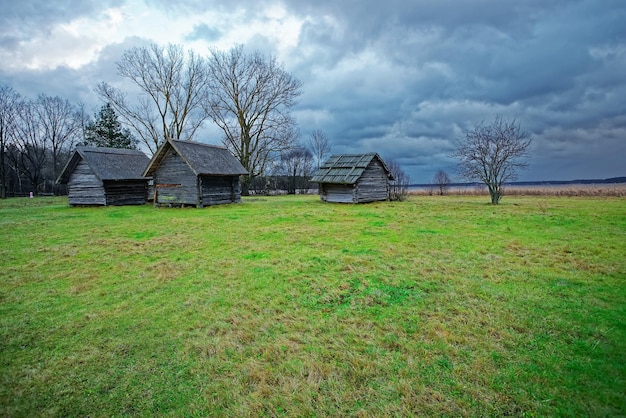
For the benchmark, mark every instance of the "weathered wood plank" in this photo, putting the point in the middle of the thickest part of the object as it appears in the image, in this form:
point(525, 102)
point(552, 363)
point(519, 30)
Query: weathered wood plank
point(174, 170)
point(372, 185)
point(185, 188)
point(84, 188)
point(126, 192)
point(217, 190)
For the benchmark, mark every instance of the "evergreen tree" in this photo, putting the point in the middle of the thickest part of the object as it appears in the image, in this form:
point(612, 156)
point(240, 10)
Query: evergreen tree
point(106, 131)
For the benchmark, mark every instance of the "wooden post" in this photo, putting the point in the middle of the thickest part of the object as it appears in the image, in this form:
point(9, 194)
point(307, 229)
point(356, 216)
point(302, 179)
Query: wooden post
point(199, 188)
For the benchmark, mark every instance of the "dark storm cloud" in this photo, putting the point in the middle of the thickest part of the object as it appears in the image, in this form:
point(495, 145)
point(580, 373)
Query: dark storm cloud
point(557, 67)
point(408, 78)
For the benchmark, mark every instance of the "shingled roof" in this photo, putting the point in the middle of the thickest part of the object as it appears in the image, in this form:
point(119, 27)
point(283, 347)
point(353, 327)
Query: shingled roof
point(346, 168)
point(107, 163)
point(203, 159)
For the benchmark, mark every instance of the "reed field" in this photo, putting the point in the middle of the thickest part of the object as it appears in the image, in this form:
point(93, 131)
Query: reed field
point(287, 306)
point(567, 190)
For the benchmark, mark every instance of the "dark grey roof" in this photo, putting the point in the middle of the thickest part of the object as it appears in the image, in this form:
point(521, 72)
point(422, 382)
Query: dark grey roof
point(346, 168)
point(201, 158)
point(108, 163)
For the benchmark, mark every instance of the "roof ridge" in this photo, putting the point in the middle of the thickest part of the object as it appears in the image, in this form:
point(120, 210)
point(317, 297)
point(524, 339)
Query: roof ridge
point(353, 155)
point(108, 150)
point(187, 141)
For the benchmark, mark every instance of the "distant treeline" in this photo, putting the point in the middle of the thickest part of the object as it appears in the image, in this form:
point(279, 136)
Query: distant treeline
point(612, 180)
point(282, 184)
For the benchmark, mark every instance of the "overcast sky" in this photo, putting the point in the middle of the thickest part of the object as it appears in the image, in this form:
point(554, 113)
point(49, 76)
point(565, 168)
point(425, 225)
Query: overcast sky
point(398, 77)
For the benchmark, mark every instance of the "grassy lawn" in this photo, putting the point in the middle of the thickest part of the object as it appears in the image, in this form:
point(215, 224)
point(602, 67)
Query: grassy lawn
point(289, 306)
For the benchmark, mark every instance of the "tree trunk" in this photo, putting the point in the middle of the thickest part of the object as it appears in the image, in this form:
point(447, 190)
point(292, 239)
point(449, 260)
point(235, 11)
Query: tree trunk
point(3, 177)
point(495, 195)
point(245, 185)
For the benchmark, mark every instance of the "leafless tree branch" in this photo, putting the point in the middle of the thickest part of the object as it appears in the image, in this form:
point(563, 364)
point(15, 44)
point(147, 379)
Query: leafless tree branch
point(320, 145)
point(399, 188)
point(251, 97)
point(174, 85)
point(61, 125)
point(9, 104)
point(493, 154)
point(442, 181)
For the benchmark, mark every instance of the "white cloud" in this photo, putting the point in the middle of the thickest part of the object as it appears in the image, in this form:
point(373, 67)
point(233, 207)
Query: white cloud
point(72, 44)
point(78, 41)
point(402, 77)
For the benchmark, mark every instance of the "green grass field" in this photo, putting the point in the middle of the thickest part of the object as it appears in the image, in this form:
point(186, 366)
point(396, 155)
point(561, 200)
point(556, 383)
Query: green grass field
point(289, 306)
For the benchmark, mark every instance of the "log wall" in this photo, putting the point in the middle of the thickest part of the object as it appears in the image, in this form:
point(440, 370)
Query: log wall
point(217, 190)
point(338, 193)
point(126, 192)
point(84, 188)
point(182, 182)
point(373, 184)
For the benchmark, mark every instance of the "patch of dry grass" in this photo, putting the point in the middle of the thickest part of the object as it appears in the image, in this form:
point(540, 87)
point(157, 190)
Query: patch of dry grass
point(566, 190)
point(289, 306)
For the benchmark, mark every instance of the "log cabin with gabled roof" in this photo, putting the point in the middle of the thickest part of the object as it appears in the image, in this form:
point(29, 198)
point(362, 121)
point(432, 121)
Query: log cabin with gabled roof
point(353, 178)
point(105, 176)
point(187, 173)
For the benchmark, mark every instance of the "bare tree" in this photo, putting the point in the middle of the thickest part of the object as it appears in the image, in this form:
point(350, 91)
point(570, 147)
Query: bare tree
point(173, 84)
point(9, 103)
point(319, 145)
point(296, 164)
point(493, 154)
point(61, 125)
point(442, 181)
point(140, 117)
point(251, 101)
point(29, 145)
point(399, 188)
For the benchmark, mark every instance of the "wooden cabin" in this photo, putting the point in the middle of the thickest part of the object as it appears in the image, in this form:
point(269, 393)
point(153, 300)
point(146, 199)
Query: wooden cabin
point(105, 176)
point(353, 178)
point(187, 173)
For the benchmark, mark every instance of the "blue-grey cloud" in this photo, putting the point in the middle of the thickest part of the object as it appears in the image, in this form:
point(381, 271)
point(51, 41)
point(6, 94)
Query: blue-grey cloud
point(557, 65)
point(408, 78)
point(21, 20)
point(204, 31)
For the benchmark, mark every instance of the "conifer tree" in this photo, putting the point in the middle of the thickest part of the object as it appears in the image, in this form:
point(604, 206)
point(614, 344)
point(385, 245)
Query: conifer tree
point(107, 131)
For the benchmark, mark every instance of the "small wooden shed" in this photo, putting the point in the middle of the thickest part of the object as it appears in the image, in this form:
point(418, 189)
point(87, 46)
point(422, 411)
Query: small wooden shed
point(105, 176)
point(195, 174)
point(353, 178)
